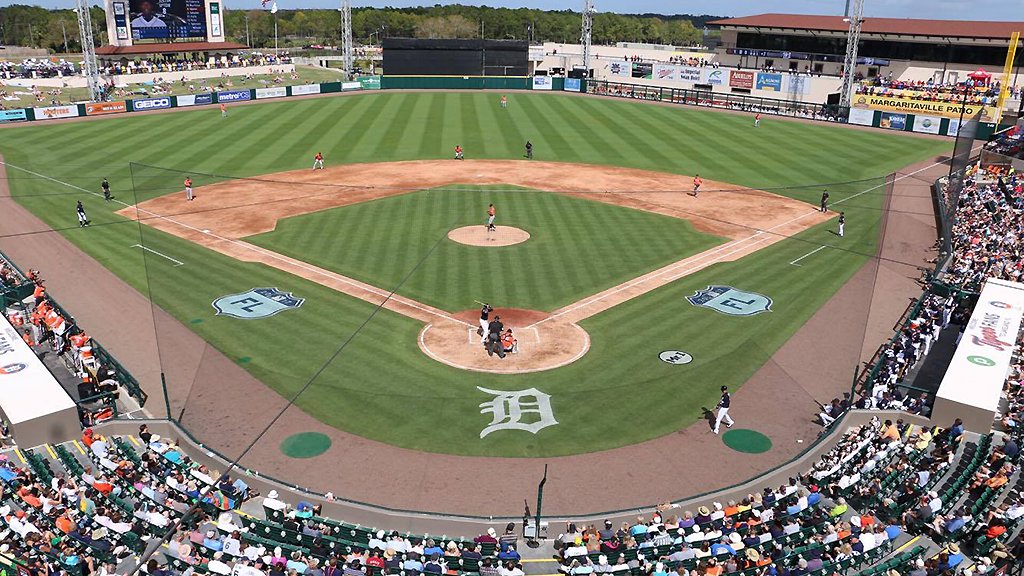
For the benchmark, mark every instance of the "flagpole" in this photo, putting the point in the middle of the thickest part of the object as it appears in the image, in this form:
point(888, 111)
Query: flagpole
point(276, 53)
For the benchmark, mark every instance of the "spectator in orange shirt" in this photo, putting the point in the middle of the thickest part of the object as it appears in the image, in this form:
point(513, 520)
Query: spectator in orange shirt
point(87, 437)
point(889, 432)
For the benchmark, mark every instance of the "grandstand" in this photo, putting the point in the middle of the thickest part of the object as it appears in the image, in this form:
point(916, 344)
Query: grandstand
point(916, 471)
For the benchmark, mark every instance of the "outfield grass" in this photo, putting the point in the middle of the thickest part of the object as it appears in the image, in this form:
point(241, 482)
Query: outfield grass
point(382, 386)
point(577, 247)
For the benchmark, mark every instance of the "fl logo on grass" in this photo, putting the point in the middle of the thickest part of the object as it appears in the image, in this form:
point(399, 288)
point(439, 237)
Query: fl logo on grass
point(729, 300)
point(256, 303)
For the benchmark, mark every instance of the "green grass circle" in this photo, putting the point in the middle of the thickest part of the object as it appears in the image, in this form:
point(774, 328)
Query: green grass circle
point(305, 445)
point(748, 441)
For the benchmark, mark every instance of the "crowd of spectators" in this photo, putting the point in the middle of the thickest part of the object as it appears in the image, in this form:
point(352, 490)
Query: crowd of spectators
point(879, 484)
point(37, 68)
point(171, 64)
point(975, 92)
point(1009, 143)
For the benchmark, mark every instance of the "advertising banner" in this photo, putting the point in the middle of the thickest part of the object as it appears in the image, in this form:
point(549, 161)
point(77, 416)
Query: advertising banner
point(275, 92)
point(120, 19)
point(769, 82)
point(351, 86)
point(689, 74)
point(51, 112)
point(741, 79)
point(572, 85)
point(151, 103)
point(713, 76)
point(665, 72)
point(543, 82)
point(908, 105)
point(13, 115)
point(370, 82)
point(954, 127)
point(168, 20)
point(798, 85)
point(620, 68)
point(643, 70)
point(234, 96)
point(927, 124)
point(893, 121)
point(305, 89)
point(215, 20)
point(861, 116)
point(101, 108)
point(195, 99)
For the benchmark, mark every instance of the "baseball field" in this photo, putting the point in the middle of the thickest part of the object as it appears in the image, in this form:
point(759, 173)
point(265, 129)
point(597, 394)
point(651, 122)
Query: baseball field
point(633, 301)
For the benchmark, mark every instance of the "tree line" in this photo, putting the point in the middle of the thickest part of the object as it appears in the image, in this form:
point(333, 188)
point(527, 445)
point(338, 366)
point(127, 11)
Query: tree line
point(57, 30)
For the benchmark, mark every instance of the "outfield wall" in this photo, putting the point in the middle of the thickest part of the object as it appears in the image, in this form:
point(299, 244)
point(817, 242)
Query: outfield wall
point(903, 122)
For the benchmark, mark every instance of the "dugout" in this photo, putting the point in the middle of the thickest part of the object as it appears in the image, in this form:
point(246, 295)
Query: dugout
point(32, 401)
point(458, 57)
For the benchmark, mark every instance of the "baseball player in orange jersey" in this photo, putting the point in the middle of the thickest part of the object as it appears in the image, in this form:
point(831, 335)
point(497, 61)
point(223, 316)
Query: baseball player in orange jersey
point(318, 161)
point(223, 110)
point(697, 181)
point(757, 120)
point(188, 189)
point(504, 101)
point(490, 220)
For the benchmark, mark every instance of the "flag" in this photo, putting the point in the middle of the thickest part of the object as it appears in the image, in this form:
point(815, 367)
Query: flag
point(273, 8)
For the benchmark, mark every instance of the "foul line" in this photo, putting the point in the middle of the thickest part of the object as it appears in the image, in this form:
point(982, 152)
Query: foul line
point(591, 299)
point(412, 304)
point(815, 251)
point(176, 262)
point(388, 296)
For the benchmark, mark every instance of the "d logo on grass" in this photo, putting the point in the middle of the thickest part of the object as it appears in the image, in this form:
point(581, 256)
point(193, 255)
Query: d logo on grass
point(256, 303)
point(728, 300)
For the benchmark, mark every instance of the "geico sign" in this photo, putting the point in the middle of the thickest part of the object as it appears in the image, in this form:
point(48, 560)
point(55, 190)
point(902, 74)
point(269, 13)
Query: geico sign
point(151, 104)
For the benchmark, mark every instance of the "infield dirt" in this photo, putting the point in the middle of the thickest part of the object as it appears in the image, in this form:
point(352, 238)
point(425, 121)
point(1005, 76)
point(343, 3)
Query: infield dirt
point(226, 212)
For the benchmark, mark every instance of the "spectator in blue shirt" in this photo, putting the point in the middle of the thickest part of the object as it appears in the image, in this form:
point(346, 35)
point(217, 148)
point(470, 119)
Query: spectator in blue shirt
point(509, 554)
point(431, 549)
point(722, 547)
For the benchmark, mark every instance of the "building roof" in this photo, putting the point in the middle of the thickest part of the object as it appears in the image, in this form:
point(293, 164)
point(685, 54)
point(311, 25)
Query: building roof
point(891, 26)
point(167, 48)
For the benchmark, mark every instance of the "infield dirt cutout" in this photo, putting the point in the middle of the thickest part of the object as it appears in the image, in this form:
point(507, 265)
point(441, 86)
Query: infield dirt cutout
point(225, 212)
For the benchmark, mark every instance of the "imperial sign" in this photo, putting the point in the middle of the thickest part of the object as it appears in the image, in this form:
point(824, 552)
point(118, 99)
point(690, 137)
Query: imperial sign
point(728, 300)
point(256, 303)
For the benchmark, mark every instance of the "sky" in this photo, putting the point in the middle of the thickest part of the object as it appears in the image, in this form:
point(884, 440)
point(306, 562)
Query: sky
point(933, 9)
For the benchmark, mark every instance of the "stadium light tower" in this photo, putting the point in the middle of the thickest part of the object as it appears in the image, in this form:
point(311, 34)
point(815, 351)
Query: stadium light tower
point(587, 29)
point(856, 19)
point(346, 37)
point(89, 68)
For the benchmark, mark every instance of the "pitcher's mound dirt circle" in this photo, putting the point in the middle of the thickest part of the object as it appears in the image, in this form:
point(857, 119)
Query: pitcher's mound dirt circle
point(478, 236)
point(544, 343)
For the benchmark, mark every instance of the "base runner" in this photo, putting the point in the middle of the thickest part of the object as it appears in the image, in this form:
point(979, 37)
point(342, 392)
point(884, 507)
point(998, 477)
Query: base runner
point(697, 182)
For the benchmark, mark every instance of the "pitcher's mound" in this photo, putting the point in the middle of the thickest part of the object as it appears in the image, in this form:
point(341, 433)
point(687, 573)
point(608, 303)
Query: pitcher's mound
point(479, 236)
point(543, 343)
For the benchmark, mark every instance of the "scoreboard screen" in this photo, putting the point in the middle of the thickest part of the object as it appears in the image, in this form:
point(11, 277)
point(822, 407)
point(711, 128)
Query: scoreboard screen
point(471, 57)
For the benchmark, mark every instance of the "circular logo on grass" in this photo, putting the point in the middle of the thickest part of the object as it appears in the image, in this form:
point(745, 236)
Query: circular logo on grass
point(675, 357)
point(305, 445)
point(12, 368)
point(981, 361)
point(748, 441)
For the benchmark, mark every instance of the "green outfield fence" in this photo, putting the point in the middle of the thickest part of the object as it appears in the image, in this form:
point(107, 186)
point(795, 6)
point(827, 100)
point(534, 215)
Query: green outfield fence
point(685, 96)
point(15, 295)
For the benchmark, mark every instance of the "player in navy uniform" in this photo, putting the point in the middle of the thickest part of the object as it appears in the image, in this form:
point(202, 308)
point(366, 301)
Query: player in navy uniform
point(106, 190)
point(83, 220)
point(723, 410)
point(485, 313)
